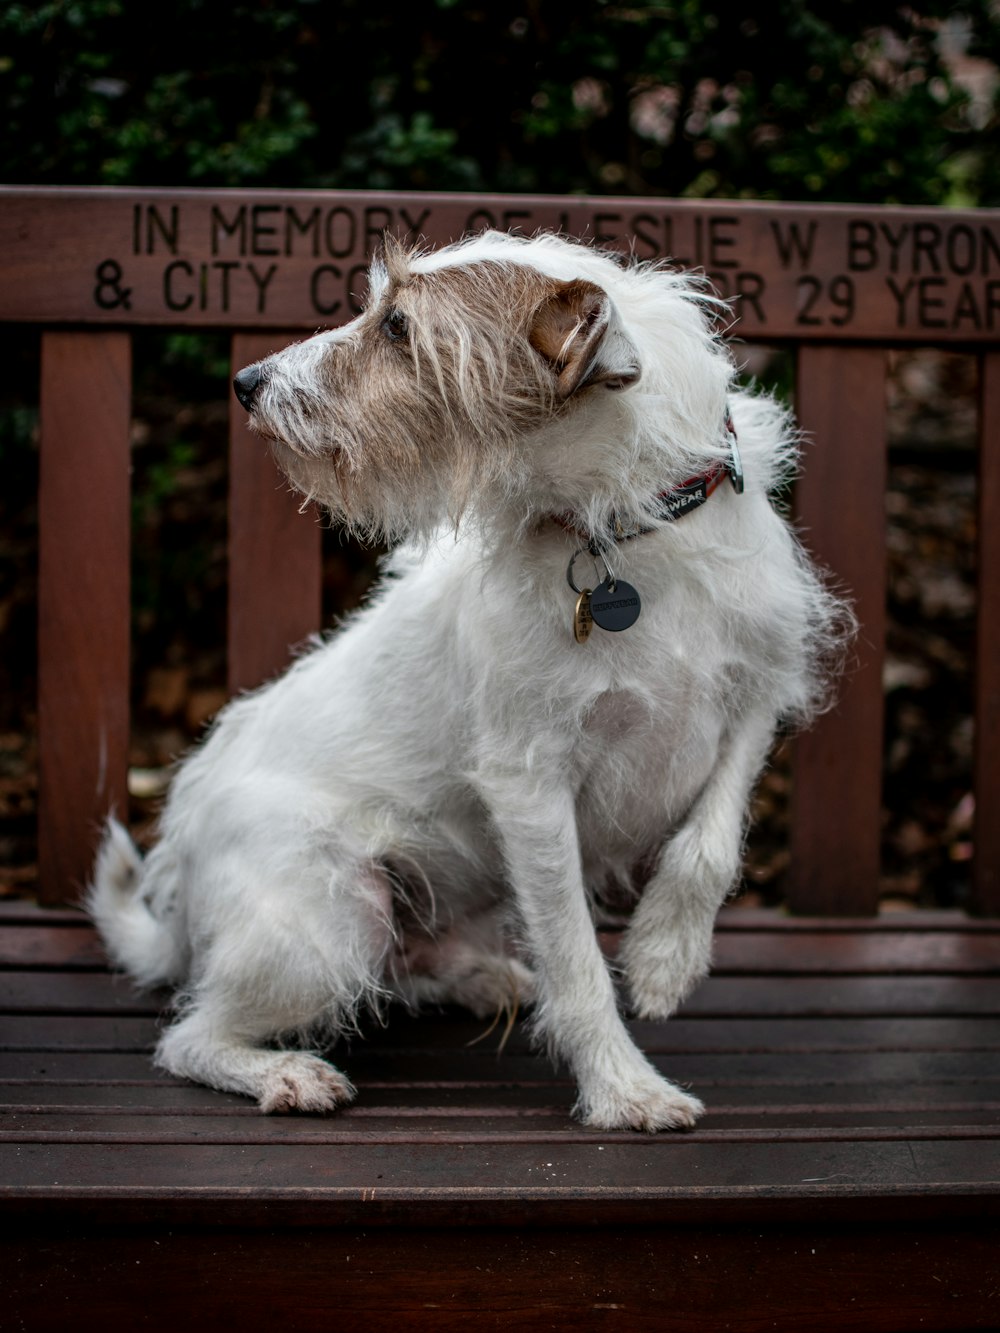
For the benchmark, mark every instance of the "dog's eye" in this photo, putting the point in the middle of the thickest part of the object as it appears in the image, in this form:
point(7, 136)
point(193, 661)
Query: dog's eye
point(396, 326)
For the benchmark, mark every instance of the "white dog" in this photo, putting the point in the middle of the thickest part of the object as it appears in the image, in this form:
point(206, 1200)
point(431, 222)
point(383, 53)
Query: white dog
point(566, 684)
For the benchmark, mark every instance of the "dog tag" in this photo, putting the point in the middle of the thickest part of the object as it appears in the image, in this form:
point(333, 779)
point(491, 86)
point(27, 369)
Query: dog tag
point(583, 621)
point(615, 605)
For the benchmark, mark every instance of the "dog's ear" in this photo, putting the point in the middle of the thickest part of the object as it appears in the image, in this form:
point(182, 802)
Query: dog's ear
point(578, 331)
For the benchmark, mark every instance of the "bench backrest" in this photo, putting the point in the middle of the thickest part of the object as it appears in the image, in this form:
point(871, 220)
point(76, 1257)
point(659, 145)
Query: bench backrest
point(840, 284)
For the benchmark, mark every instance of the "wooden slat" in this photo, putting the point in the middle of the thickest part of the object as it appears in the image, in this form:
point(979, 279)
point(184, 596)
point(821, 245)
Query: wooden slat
point(764, 953)
point(74, 993)
point(83, 599)
point(809, 1122)
point(820, 996)
point(743, 953)
point(21, 912)
point(73, 1066)
point(274, 550)
point(908, 1081)
point(49, 947)
point(655, 1168)
point(851, 953)
point(733, 917)
point(96, 1050)
point(905, 1080)
point(986, 865)
point(840, 502)
point(83, 1032)
point(94, 993)
point(297, 259)
point(921, 919)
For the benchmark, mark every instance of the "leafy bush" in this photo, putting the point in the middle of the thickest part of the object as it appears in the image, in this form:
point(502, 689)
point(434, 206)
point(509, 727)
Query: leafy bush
point(831, 100)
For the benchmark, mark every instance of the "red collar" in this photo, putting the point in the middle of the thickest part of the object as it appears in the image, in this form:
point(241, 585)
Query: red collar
point(669, 505)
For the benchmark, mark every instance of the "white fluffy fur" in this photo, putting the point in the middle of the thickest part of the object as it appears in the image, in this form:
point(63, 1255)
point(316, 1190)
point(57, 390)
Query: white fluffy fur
point(451, 767)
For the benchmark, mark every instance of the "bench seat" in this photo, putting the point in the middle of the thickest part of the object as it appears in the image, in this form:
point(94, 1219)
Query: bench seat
point(852, 1075)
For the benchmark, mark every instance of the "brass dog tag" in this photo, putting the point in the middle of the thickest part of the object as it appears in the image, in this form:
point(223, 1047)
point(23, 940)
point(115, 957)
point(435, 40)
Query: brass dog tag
point(583, 621)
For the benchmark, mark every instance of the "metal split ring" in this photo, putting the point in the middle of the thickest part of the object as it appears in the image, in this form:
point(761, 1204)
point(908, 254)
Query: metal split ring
point(595, 556)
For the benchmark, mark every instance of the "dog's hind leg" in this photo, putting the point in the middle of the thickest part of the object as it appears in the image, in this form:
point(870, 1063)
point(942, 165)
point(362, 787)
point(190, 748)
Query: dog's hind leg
point(232, 1058)
point(467, 965)
point(668, 945)
point(290, 963)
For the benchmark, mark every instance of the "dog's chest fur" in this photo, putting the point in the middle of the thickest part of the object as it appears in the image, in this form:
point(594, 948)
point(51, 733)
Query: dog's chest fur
point(624, 718)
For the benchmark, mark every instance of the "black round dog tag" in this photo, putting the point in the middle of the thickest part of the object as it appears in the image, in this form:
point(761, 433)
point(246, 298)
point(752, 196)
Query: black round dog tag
point(615, 605)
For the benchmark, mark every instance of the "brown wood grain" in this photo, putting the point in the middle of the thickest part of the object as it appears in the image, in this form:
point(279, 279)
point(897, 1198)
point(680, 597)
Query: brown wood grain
point(734, 917)
point(751, 1088)
point(843, 1081)
point(912, 1076)
point(85, 1032)
point(465, 1083)
point(84, 613)
point(25, 912)
point(63, 947)
point(986, 866)
point(864, 1131)
point(657, 1168)
point(93, 993)
point(736, 953)
point(840, 506)
point(274, 548)
point(112, 1049)
point(296, 259)
point(754, 1124)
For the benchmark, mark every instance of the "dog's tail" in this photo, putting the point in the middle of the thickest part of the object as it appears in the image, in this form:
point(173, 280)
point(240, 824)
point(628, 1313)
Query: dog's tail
point(135, 939)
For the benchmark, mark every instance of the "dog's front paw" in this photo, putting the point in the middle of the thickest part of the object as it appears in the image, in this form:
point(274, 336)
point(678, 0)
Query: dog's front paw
point(662, 973)
point(658, 992)
point(304, 1083)
point(650, 1105)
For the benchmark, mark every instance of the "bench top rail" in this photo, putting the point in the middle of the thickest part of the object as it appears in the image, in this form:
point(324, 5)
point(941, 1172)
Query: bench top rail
point(296, 259)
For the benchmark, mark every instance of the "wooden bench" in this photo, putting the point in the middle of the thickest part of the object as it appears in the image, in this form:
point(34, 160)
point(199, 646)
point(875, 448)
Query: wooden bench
point(848, 1171)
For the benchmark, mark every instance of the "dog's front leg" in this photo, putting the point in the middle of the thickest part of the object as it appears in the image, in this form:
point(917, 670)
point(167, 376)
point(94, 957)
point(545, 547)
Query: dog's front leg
point(576, 1008)
point(668, 945)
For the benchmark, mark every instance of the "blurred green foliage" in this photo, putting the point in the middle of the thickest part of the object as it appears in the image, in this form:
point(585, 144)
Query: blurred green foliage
point(829, 100)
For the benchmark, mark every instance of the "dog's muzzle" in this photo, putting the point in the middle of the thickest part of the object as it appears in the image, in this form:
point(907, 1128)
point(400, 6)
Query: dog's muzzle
point(246, 384)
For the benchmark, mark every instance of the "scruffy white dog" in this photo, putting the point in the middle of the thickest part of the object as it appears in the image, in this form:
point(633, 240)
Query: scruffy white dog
point(566, 684)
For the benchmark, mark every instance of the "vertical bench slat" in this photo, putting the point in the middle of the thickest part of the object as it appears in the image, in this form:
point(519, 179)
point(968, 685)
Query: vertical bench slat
point(986, 867)
point(836, 801)
point(83, 596)
point(274, 551)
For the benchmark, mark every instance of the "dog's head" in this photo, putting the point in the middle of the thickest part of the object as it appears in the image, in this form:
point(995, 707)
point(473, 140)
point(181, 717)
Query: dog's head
point(487, 369)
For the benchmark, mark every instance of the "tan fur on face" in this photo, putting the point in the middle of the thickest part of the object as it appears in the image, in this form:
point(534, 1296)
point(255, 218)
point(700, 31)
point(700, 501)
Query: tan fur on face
point(426, 423)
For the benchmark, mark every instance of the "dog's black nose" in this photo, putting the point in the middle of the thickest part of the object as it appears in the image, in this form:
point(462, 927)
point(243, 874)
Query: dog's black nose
point(246, 385)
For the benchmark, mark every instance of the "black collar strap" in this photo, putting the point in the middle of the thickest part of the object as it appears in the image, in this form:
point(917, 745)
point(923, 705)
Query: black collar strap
point(668, 505)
